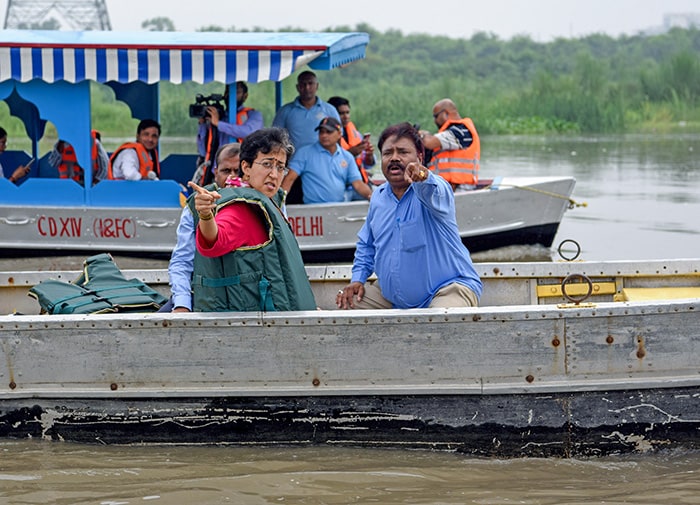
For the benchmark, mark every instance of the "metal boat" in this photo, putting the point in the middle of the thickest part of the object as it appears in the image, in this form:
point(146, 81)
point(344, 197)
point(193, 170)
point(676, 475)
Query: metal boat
point(561, 359)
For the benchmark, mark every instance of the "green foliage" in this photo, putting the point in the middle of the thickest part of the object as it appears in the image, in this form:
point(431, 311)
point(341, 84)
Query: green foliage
point(591, 84)
point(684, 77)
point(159, 24)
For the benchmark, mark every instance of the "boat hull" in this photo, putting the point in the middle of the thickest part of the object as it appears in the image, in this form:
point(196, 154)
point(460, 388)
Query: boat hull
point(529, 373)
point(512, 211)
point(580, 424)
point(541, 380)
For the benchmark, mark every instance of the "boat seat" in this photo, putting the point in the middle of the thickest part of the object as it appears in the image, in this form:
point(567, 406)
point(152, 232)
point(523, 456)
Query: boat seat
point(663, 293)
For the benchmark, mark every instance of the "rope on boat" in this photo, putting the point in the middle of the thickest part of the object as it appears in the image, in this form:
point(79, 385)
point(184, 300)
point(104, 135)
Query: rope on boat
point(572, 203)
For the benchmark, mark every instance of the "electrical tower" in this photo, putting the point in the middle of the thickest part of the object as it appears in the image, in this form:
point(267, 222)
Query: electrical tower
point(76, 15)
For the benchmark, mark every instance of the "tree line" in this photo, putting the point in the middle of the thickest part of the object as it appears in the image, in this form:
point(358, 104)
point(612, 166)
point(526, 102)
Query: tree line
point(592, 84)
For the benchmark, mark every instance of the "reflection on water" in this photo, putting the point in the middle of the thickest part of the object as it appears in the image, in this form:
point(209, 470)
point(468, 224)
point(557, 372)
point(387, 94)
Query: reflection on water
point(33, 472)
point(642, 191)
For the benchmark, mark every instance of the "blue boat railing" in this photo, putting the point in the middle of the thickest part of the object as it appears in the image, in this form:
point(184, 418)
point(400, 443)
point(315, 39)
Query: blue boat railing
point(43, 187)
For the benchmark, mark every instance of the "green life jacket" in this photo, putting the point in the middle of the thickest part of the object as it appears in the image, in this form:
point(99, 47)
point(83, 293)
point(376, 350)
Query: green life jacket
point(101, 288)
point(268, 277)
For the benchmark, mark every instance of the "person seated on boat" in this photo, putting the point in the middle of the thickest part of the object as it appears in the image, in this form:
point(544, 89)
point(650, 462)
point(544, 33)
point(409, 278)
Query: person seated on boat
point(455, 149)
point(215, 129)
point(410, 238)
point(326, 168)
point(181, 263)
point(138, 160)
point(358, 145)
point(248, 258)
point(63, 158)
point(20, 171)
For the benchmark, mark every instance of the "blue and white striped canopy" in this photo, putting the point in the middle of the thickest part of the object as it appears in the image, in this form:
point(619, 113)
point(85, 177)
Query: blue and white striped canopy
point(177, 57)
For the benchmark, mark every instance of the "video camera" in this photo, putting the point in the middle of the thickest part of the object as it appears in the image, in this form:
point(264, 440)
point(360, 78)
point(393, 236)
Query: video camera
point(199, 108)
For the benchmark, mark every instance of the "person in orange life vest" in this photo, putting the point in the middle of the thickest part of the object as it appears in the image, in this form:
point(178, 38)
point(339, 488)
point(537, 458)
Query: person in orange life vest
point(216, 130)
point(455, 148)
point(64, 159)
point(138, 160)
point(352, 140)
point(18, 172)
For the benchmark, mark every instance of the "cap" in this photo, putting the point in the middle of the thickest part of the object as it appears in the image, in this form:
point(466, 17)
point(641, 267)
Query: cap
point(329, 124)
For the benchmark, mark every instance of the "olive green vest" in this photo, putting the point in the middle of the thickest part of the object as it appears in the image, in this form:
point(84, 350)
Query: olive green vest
point(100, 289)
point(268, 277)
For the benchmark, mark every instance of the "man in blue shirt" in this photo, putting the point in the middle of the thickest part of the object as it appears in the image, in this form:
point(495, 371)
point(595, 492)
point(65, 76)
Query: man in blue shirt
point(181, 263)
point(301, 116)
point(410, 238)
point(325, 168)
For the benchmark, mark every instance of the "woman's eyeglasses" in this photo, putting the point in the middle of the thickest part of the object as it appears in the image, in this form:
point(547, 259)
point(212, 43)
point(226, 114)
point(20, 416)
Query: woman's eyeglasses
point(269, 166)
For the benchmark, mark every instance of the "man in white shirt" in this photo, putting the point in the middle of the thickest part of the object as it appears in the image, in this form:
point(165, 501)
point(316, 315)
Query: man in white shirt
point(138, 160)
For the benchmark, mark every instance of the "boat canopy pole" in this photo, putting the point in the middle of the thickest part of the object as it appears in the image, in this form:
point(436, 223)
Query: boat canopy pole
point(278, 95)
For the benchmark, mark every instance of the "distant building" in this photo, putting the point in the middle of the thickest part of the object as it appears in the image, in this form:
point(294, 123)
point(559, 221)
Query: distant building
point(675, 20)
point(682, 20)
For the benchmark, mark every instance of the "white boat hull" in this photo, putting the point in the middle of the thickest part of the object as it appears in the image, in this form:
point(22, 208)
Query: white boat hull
point(521, 211)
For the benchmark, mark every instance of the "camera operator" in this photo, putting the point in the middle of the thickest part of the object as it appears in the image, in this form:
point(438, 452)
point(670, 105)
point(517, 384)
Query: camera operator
point(215, 129)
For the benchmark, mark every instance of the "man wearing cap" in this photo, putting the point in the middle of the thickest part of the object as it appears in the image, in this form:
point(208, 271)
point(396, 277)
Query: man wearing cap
point(325, 168)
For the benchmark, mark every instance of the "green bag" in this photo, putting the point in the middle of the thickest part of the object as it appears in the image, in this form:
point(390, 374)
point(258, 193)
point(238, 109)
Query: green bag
point(101, 288)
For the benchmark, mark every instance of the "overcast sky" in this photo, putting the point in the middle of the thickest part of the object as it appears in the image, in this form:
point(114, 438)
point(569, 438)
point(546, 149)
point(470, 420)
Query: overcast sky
point(543, 20)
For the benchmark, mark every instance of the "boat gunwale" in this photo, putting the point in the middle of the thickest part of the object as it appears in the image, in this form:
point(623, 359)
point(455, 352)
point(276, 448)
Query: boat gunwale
point(500, 270)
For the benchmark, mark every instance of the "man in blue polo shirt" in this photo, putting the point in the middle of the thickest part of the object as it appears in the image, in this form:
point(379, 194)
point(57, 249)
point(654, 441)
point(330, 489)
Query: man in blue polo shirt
point(301, 116)
point(325, 168)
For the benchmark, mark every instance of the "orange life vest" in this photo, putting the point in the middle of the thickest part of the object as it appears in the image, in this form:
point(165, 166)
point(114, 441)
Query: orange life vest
point(146, 163)
point(68, 168)
point(458, 166)
point(354, 138)
point(242, 117)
